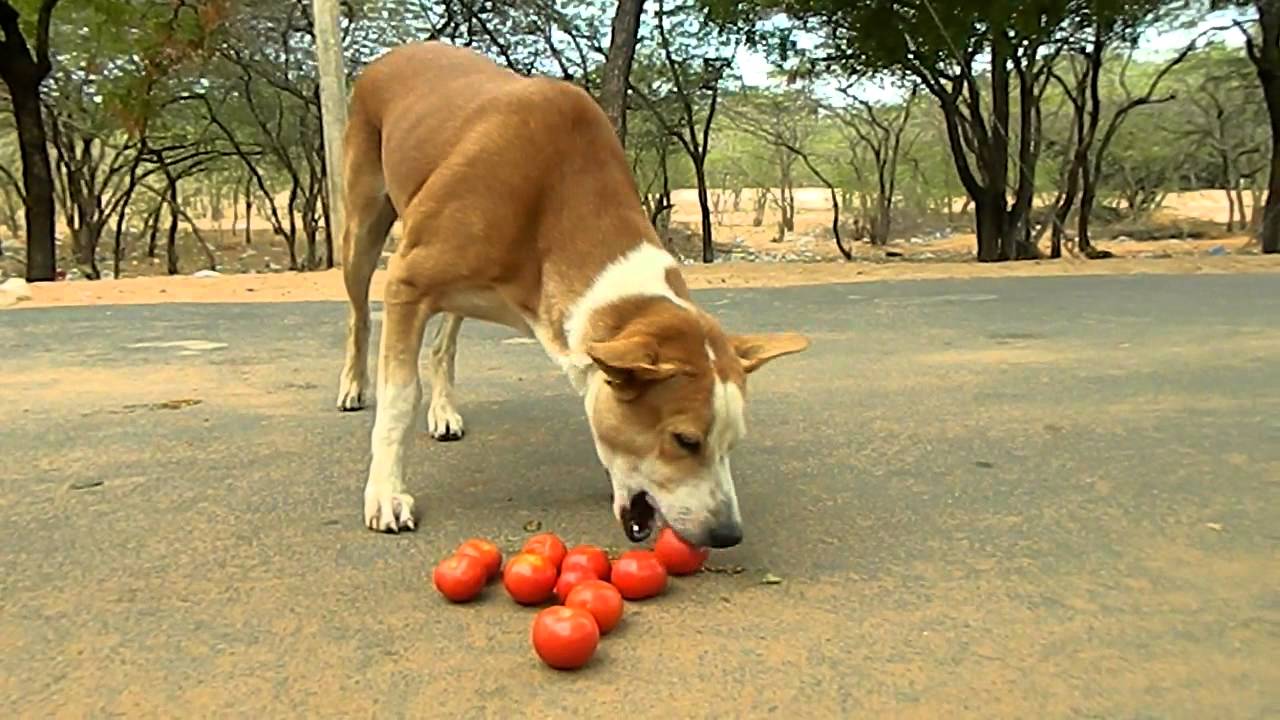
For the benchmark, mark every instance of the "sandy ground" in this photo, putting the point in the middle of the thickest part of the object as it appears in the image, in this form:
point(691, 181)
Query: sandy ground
point(812, 231)
point(327, 285)
point(912, 258)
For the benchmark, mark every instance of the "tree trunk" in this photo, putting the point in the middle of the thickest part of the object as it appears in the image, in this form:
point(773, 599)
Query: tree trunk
point(153, 231)
point(122, 214)
point(988, 197)
point(1266, 58)
point(661, 218)
point(617, 66)
point(211, 260)
point(292, 239)
point(991, 215)
point(1231, 184)
point(235, 208)
point(329, 231)
point(1061, 213)
point(86, 246)
point(997, 153)
point(1019, 245)
point(171, 245)
point(835, 223)
point(22, 73)
point(248, 210)
point(37, 175)
point(309, 230)
point(1083, 243)
point(1255, 203)
point(1244, 213)
point(704, 204)
point(1270, 232)
point(881, 224)
point(786, 190)
point(117, 249)
point(761, 203)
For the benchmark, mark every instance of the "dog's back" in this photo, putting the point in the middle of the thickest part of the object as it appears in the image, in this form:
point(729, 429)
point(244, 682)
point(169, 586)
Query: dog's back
point(430, 101)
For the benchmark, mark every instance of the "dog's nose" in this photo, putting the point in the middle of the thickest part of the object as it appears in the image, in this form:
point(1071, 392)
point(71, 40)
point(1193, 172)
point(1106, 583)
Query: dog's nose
point(725, 536)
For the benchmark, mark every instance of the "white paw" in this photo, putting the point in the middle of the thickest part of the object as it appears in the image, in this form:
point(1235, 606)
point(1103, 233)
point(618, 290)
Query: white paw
point(443, 421)
point(388, 511)
point(353, 392)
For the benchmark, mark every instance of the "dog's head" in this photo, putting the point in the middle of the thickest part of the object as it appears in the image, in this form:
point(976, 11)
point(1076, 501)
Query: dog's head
point(667, 409)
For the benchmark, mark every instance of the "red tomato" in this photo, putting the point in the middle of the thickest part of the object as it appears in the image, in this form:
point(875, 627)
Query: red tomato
point(486, 551)
point(548, 546)
point(565, 638)
point(459, 577)
point(677, 556)
point(588, 556)
point(529, 579)
point(599, 598)
point(572, 578)
point(638, 574)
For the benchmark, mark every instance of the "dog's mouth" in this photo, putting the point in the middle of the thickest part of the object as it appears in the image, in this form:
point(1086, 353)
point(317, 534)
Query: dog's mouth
point(639, 517)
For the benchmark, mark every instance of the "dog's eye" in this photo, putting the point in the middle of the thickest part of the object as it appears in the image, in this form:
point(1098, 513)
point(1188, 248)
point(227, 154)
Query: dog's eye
point(688, 443)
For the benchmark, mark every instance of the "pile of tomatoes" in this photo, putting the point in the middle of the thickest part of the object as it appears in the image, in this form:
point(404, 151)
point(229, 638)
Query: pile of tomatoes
point(588, 587)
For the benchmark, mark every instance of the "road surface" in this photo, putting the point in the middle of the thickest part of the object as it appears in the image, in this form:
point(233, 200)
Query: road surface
point(993, 498)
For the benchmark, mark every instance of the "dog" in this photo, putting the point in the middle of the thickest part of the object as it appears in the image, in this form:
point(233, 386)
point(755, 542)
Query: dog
point(518, 207)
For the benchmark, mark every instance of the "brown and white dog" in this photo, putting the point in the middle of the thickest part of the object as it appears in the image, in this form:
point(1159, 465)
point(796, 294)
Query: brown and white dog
point(519, 208)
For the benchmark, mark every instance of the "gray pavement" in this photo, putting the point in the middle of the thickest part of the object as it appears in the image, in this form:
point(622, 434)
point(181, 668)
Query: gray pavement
point(995, 498)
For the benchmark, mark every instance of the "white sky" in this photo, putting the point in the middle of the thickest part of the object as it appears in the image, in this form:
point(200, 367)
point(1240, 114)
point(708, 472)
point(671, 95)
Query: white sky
point(755, 68)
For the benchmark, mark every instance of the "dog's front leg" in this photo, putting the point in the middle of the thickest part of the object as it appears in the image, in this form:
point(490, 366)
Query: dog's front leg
point(387, 507)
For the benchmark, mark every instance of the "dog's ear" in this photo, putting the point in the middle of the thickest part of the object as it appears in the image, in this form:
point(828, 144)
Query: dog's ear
point(626, 361)
point(756, 350)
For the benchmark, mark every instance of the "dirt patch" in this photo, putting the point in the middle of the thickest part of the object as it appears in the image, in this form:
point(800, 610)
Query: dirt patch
point(937, 240)
point(997, 356)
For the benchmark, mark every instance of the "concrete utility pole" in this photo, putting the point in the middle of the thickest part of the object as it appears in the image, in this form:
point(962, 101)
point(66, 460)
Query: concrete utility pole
point(333, 110)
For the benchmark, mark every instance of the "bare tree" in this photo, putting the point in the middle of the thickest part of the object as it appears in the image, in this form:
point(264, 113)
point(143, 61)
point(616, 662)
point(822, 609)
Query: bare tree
point(651, 165)
point(693, 83)
point(878, 131)
point(174, 170)
point(776, 119)
point(276, 95)
point(1085, 170)
point(1225, 122)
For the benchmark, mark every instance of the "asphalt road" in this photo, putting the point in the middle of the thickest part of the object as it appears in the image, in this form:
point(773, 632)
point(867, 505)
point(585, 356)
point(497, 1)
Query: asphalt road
point(1002, 498)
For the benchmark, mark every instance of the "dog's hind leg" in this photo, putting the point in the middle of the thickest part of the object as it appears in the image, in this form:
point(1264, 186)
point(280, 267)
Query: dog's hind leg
point(370, 216)
point(443, 421)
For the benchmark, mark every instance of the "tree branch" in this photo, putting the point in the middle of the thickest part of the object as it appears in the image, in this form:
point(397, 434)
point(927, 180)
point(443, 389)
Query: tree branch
point(17, 185)
point(1250, 45)
point(43, 64)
